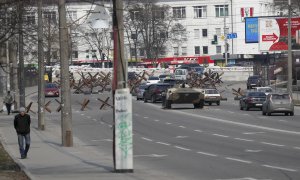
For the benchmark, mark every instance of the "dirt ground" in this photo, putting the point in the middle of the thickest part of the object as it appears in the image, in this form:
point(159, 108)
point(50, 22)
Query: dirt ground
point(9, 170)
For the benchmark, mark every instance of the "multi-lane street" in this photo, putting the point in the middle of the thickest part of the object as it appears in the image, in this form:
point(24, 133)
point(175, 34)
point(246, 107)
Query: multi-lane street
point(216, 142)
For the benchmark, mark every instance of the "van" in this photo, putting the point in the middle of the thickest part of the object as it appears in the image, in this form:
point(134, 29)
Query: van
point(181, 74)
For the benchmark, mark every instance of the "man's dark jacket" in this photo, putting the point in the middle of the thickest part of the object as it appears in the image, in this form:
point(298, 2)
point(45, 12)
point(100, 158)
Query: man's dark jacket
point(22, 124)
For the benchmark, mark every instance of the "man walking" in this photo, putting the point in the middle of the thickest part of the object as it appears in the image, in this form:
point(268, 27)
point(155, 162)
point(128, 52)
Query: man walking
point(22, 125)
point(8, 100)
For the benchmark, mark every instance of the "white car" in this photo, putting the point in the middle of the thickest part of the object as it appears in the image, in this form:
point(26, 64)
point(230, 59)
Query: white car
point(153, 80)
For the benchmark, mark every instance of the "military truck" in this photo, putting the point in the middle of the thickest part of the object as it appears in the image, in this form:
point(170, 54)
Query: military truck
point(183, 95)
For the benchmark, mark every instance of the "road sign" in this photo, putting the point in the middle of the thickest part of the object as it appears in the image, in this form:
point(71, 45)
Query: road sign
point(232, 36)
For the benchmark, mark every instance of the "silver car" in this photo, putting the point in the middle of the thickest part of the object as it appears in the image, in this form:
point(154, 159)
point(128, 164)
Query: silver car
point(278, 103)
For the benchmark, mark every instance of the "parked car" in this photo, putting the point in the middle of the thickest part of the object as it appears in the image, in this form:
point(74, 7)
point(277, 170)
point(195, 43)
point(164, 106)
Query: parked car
point(140, 91)
point(278, 103)
point(51, 90)
point(181, 74)
point(154, 92)
point(266, 90)
point(153, 79)
point(170, 81)
point(212, 96)
point(162, 77)
point(252, 99)
point(254, 81)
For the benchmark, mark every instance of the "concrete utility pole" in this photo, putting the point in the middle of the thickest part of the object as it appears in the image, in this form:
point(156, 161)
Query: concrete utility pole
point(21, 57)
point(290, 61)
point(231, 15)
point(41, 83)
point(66, 112)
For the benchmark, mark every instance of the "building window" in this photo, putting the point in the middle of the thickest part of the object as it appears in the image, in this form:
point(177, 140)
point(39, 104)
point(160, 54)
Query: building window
point(221, 10)
point(94, 56)
point(74, 54)
point(132, 52)
point(204, 32)
point(199, 11)
point(87, 54)
point(133, 36)
point(142, 52)
point(218, 49)
point(176, 53)
point(72, 15)
point(197, 50)
point(50, 16)
point(205, 49)
point(30, 17)
point(196, 33)
point(218, 31)
point(179, 12)
point(184, 51)
point(226, 30)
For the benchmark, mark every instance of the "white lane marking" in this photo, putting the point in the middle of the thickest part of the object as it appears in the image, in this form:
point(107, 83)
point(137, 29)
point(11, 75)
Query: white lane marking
point(102, 122)
point(297, 148)
point(97, 140)
point(272, 144)
point(182, 126)
point(197, 130)
point(156, 120)
point(181, 137)
point(283, 120)
point(231, 112)
point(280, 168)
point(163, 143)
point(182, 148)
point(254, 151)
point(136, 114)
point(151, 155)
point(89, 117)
point(110, 126)
point(77, 111)
point(245, 114)
point(249, 133)
point(147, 139)
point(168, 123)
point(220, 135)
point(239, 123)
point(238, 160)
point(82, 114)
point(146, 117)
point(241, 139)
point(207, 154)
point(95, 120)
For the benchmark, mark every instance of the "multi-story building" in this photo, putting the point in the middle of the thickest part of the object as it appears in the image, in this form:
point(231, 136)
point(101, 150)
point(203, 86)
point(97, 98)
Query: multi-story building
point(208, 22)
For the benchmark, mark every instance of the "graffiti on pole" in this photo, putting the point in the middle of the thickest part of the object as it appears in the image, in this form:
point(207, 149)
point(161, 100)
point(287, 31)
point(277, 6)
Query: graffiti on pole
point(123, 130)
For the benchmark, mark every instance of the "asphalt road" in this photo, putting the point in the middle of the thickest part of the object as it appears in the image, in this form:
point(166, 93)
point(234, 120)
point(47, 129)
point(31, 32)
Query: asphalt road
point(213, 143)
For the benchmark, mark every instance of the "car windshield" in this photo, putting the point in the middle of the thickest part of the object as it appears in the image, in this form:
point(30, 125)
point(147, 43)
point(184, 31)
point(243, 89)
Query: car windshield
point(179, 72)
point(153, 78)
point(280, 97)
point(211, 91)
point(51, 86)
point(257, 94)
point(264, 90)
point(162, 76)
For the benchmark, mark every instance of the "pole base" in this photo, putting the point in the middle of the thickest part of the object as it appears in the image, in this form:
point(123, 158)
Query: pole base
point(123, 170)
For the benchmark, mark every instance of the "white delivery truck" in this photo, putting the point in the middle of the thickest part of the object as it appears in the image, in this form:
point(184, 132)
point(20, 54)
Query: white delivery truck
point(181, 74)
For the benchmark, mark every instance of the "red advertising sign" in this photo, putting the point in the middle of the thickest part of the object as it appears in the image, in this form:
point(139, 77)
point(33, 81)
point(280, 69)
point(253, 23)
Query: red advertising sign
point(274, 34)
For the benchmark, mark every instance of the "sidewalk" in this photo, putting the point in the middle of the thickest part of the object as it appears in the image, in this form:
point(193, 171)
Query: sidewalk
point(49, 160)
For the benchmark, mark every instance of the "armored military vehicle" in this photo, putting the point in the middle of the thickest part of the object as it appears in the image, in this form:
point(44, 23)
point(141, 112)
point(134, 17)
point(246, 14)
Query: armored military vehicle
point(183, 95)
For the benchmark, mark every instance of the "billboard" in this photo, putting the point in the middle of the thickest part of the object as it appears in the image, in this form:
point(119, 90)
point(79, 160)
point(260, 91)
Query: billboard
point(273, 34)
point(251, 34)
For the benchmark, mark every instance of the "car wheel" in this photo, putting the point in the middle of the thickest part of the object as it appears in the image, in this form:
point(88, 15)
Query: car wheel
point(218, 103)
point(137, 98)
point(201, 104)
point(263, 113)
point(145, 100)
point(286, 114)
point(269, 114)
point(153, 99)
point(241, 107)
point(292, 113)
point(209, 103)
point(247, 108)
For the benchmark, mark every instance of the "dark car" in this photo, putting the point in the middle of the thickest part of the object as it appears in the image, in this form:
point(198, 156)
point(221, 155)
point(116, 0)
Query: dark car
point(252, 100)
point(154, 92)
point(140, 91)
point(278, 103)
point(170, 81)
point(51, 90)
point(254, 81)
